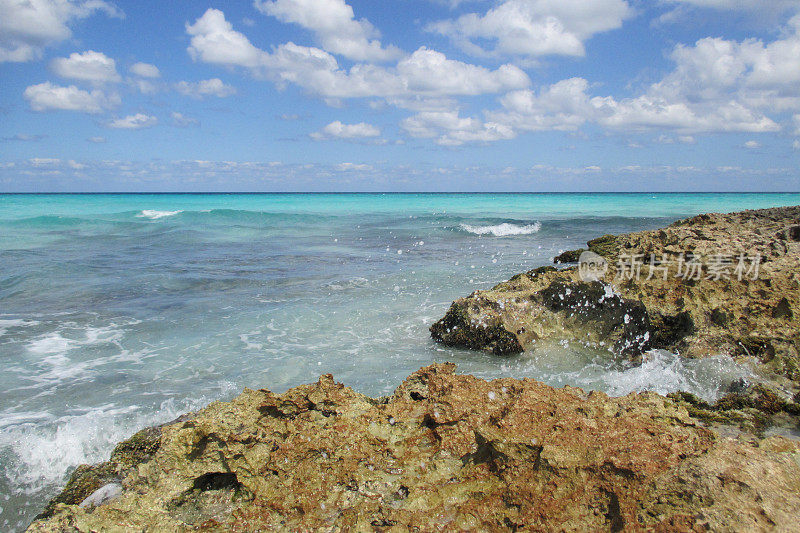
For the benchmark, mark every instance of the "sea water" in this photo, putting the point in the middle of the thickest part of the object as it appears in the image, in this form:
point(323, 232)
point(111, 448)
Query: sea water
point(122, 311)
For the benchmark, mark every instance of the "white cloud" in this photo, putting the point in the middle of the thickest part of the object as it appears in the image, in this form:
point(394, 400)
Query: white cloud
point(213, 87)
point(717, 85)
point(97, 140)
point(133, 122)
point(334, 26)
point(144, 86)
point(567, 105)
point(40, 162)
point(562, 106)
point(337, 130)
point(349, 167)
point(182, 121)
point(26, 27)
point(145, 70)
point(425, 72)
point(91, 66)
point(796, 144)
point(452, 130)
point(752, 145)
point(47, 96)
point(533, 28)
point(215, 41)
point(430, 72)
point(652, 111)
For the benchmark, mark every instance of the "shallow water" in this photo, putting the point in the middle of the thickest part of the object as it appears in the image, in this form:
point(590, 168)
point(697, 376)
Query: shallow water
point(120, 311)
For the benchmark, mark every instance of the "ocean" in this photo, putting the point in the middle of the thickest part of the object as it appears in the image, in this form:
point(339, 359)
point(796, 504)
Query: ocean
point(123, 311)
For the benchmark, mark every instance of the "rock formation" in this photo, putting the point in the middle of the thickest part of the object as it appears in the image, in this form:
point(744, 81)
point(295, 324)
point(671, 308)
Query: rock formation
point(445, 452)
point(711, 284)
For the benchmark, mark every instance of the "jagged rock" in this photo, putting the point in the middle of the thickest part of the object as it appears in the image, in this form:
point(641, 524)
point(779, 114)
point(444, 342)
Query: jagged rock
point(570, 256)
point(695, 315)
point(447, 452)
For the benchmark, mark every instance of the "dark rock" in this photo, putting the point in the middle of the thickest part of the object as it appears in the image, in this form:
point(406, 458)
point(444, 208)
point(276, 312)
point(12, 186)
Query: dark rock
point(570, 256)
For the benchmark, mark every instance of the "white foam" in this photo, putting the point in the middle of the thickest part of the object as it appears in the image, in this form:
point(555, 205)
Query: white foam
point(503, 230)
point(664, 372)
point(43, 453)
point(55, 343)
point(153, 214)
point(51, 344)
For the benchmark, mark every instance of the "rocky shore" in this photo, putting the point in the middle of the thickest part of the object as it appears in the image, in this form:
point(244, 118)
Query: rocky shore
point(707, 285)
point(445, 452)
point(454, 452)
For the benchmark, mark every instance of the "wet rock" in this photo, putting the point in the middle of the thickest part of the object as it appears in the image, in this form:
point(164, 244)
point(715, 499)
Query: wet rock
point(606, 245)
point(585, 312)
point(448, 452)
point(570, 256)
point(711, 284)
point(753, 407)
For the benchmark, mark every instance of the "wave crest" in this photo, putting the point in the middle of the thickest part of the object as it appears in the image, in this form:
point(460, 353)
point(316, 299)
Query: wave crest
point(153, 214)
point(502, 230)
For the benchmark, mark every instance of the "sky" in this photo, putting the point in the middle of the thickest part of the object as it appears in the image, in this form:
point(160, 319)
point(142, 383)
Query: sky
point(399, 95)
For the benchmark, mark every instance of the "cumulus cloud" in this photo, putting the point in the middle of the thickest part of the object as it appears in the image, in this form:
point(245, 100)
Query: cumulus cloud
point(534, 28)
point(337, 130)
point(145, 70)
point(47, 96)
point(215, 41)
point(717, 85)
point(425, 72)
point(334, 26)
point(133, 122)
point(26, 27)
point(452, 130)
point(91, 66)
point(213, 87)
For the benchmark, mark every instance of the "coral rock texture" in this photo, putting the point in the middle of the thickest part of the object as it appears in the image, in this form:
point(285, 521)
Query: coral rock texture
point(445, 452)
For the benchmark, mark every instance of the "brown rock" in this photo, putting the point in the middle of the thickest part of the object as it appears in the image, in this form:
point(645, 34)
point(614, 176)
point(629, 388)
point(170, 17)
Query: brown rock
point(447, 452)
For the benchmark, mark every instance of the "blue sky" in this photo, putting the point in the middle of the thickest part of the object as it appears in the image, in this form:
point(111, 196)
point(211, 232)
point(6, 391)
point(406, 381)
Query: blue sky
point(427, 95)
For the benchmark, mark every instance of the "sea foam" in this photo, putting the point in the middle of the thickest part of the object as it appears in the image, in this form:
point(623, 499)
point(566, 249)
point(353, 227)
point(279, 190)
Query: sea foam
point(503, 230)
point(153, 214)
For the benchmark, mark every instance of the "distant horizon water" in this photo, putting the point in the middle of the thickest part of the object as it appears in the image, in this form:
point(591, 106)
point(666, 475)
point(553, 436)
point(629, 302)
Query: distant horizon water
point(119, 311)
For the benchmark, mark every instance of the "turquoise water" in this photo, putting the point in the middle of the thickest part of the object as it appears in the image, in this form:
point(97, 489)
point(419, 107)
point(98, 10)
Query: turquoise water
point(119, 311)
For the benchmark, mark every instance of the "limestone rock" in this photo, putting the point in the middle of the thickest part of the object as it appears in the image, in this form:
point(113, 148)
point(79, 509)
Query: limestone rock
point(447, 452)
point(710, 284)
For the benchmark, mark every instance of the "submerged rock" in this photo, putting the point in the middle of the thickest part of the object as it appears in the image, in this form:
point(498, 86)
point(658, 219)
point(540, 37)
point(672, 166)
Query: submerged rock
point(710, 284)
point(447, 452)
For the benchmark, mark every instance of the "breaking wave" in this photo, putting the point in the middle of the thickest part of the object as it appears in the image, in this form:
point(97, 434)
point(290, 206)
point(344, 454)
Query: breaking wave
point(502, 230)
point(153, 214)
